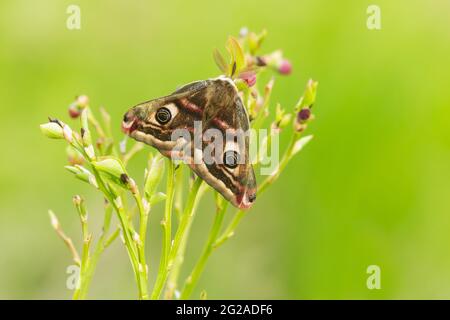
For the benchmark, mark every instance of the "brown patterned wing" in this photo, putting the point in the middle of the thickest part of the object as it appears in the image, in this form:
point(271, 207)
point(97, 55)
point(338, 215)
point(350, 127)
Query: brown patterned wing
point(232, 173)
point(153, 122)
point(179, 125)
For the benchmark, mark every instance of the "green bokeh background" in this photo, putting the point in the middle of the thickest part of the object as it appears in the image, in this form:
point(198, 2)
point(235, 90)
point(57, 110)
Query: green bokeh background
point(372, 188)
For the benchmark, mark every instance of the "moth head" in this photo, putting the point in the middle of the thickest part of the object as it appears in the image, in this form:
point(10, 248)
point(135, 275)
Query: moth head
point(155, 114)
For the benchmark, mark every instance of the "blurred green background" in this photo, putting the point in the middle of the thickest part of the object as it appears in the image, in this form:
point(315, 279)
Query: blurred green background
point(372, 188)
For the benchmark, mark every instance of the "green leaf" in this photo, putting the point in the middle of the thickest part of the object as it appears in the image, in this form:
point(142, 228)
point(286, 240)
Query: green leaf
point(83, 174)
point(113, 170)
point(255, 41)
point(157, 197)
point(110, 166)
point(299, 144)
point(309, 95)
point(153, 175)
point(220, 61)
point(237, 56)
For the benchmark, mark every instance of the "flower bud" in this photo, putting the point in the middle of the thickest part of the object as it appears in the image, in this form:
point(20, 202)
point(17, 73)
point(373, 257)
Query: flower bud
point(77, 200)
point(304, 114)
point(285, 67)
point(249, 78)
point(113, 169)
point(304, 105)
point(153, 176)
point(74, 111)
point(76, 107)
point(273, 59)
point(52, 130)
point(110, 166)
point(56, 129)
point(276, 61)
point(81, 208)
point(82, 101)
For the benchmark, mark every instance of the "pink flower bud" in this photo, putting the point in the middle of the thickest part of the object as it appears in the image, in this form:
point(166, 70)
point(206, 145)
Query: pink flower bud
point(304, 114)
point(285, 67)
point(74, 111)
point(249, 78)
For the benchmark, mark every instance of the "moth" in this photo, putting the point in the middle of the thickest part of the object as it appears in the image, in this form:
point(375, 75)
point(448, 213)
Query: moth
point(214, 106)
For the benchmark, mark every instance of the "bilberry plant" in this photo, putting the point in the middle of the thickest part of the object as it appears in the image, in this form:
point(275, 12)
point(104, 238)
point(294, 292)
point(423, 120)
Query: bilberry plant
point(95, 158)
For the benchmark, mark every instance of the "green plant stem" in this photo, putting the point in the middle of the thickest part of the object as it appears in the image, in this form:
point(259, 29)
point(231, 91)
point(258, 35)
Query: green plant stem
point(86, 276)
point(143, 268)
point(123, 218)
point(178, 262)
point(185, 221)
point(83, 280)
point(89, 263)
point(167, 231)
point(180, 234)
point(121, 214)
point(87, 270)
point(214, 240)
point(175, 273)
point(178, 204)
point(193, 278)
point(229, 230)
